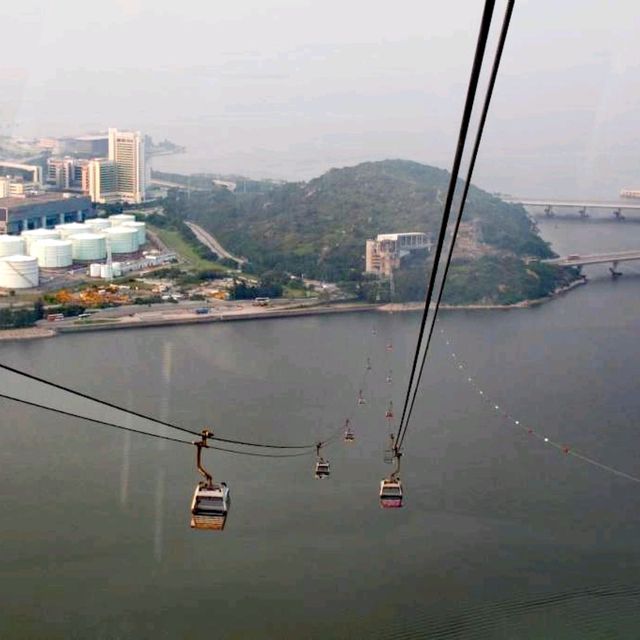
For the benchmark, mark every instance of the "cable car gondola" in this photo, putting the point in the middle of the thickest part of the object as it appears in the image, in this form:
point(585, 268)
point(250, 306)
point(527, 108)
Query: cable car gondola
point(348, 433)
point(361, 399)
point(211, 500)
point(391, 494)
point(210, 506)
point(322, 466)
point(389, 376)
point(389, 412)
point(368, 364)
point(322, 469)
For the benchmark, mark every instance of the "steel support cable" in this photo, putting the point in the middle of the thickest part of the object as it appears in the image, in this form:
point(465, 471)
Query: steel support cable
point(146, 433)
point(163, 423)
point(483, 35)
point(474, 155)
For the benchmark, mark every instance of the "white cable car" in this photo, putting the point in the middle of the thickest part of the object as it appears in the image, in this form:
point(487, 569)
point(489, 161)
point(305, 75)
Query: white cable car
point(389, 377)
point(210, 506)
point(322, 469)
point(391, 493)
point(211, 501)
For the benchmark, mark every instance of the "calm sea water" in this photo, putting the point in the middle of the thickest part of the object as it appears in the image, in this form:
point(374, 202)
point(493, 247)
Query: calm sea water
point(501, 537)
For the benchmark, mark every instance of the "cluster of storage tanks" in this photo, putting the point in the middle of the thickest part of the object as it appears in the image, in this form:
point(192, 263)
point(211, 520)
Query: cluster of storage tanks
point(22, 256)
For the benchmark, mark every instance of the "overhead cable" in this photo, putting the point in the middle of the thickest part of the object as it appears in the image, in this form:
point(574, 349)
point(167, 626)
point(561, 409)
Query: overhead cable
point(483, 118)
point(146, 433)
point(163, 423)
point(483, 35)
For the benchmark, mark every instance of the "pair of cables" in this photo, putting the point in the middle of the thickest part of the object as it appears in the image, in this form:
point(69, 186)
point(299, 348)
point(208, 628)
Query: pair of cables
point(426, 328)
point(301, 450)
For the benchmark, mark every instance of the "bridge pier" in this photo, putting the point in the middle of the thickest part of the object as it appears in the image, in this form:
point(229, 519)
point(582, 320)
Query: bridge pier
point(614, 270)
point(618, 214)
point(548, 211)
point(583, 212)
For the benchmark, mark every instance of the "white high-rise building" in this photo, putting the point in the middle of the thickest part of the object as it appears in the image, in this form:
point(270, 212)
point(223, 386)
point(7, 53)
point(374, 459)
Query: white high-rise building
point(126, 151)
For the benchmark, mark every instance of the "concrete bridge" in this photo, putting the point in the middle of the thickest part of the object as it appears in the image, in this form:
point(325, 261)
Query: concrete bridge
point(614, 257)
point(581, 206)
point(34, 169)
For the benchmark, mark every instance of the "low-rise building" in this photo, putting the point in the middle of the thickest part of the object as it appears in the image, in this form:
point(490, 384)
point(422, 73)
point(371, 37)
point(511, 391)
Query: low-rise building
point(384, 254)
point(18, 214)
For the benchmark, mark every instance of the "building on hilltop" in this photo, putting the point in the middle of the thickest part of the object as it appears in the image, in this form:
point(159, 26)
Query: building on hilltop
point(127, 152)
point(384, 254)
point(42, 211)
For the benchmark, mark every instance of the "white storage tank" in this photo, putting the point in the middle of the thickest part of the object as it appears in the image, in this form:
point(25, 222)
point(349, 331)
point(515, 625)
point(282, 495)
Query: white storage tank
point(94, 270)
point(141, 228)
point(106, 271)
point(116, 268)
point(89, 246)
point(52, 254)
point(117, 219)
point(18, 272)
point(34, 235)
point(122, 239)
point(98, 224)
point(11, 246)
point(71, 228)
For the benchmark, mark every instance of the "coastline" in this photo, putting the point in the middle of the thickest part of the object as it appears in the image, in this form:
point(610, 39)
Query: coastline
point(149, 320)
point(523, 304)
point(28, 333)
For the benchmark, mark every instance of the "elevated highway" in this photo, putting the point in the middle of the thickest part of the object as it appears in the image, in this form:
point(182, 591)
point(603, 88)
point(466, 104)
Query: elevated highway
point(613, 257)
point(582, 207)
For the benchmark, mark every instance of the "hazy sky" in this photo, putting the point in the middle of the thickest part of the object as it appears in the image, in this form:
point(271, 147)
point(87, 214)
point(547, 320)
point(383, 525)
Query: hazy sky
point(289, 88)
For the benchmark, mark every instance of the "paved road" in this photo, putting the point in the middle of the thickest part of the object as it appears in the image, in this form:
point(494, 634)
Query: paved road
point(209, 241)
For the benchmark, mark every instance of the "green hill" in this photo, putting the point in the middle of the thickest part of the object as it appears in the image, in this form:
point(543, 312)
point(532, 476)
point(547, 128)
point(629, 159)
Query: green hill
point(319, 228)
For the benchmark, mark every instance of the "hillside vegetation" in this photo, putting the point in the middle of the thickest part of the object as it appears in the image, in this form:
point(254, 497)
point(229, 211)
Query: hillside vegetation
point(319, 228)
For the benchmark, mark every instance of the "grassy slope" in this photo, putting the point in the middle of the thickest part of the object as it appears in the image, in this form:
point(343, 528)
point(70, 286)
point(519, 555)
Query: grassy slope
point(176, 243)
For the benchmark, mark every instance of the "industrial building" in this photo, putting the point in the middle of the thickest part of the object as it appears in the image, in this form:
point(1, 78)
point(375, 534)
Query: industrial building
point(42, 211)
point(22, 256)
point(384, 254)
